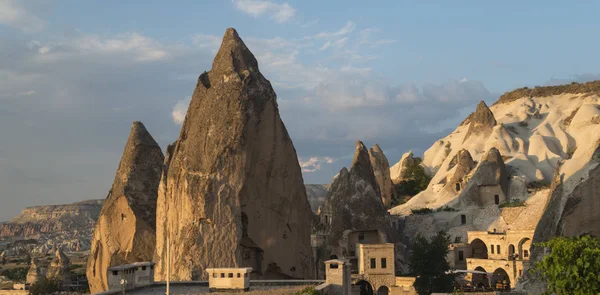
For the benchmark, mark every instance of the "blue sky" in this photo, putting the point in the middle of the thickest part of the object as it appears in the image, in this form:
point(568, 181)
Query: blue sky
point(75, 74)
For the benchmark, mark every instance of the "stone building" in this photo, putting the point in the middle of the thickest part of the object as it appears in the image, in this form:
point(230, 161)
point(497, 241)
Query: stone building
point(502, 255)
point(131, 275)
point(229, 279)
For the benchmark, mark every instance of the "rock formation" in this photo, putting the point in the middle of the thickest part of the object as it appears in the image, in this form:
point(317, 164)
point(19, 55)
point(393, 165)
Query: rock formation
point(464, 164)
point(125, 231)
point(397, 171)
point(233, 194)
point(353, 203)
point(60, 268)
point(490, 174)
point(482, 121)
point(316, 194)
point(34, 274)
point(381, 168)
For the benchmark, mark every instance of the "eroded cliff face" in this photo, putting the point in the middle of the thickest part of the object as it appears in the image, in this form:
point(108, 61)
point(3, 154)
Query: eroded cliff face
point(59, 268)
point(381, 169)
point(233, 194)
point(125, 231)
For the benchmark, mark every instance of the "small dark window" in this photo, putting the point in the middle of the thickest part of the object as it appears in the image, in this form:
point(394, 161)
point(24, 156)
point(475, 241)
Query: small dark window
point(239, 275)
point(151, 267)
point(520, 272)
point(498, 249)
point(457, 186)
point(492, 249)
point(115, 272)
point(383, 263)
point(373, 263)
point(222, 274)
point(361, 236)
point(230, 275)
point(457, 239)
point(144, 267)
point(461, 255)
point(333, 265)
point(214, 274)
point(463, 219)
point(525, 253)
point(497, 199)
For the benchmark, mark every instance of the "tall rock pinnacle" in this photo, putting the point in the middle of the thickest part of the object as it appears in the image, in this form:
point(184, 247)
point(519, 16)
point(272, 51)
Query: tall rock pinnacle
point(381, 169)
point(233, 194)
point(482, 121)
point(125, 231)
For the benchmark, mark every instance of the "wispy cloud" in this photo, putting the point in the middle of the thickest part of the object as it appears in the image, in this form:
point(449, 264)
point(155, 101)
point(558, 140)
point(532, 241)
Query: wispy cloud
point(27, 93)
point(14, 15)
point(180, 110)
point(279, 12)
point(347, 29)
point(313, 164)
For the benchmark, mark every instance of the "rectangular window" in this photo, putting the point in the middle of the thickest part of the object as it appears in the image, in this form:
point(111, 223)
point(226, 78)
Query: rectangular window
point(214, 274)
point(383, 263)
point(239, 275)
point(333, 265)
point(144, 267)
point(461, 256)
point(497, 199)
point(373, 263)
point(115, 272)
point(222, 275)
point(525, 253)
point(457, 239)
point(230, 275)
point(463, 219)
point(361, 236)
point(498, 249)
point(492, 249)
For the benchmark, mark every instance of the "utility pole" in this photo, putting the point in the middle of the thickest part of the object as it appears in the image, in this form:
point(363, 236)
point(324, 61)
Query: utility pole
point(168, 262)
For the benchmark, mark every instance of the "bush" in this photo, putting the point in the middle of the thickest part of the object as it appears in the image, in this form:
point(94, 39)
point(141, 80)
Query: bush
point(422, 211)
point(18, 274)
point(573, 88)
point(573, 265)
point(445, 208)
point(523, 124)
point(512, 203)
point(44, 286)
point(427, 261)
point(307, 291)
point(537, 185)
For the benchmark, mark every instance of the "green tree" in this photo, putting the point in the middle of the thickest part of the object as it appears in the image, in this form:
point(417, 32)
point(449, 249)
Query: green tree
point(44, 286)
point(427, 261)
point(572, 267)
point(18, 274)
point(414, 181)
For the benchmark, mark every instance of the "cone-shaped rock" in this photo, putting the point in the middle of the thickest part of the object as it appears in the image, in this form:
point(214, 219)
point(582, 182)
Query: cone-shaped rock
point(464, 164)
point(353, 203)
point(381, 169)
point(482, 121)
point(60, 268)
point(34, 274)
point(489, 183)
point(397, 171)
point(233, 194)
point(125, 231)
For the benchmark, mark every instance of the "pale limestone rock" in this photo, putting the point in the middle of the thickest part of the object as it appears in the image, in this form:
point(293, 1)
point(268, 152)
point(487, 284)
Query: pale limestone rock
point(381, 169)
point(59, 268)
point(34, 274)
point(233, 189)
point(125, 231)
point(397, 171)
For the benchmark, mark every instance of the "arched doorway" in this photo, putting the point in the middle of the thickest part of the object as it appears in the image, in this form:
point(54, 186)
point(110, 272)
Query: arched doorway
point(479, 249)
point(480, 279)
point(524, 245)
point(511, 252)
point(500, 280)
point(383, 290)
point(365, 287)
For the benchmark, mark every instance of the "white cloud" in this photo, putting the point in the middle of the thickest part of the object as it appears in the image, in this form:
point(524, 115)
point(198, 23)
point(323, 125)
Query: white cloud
point(347, 29)
point(360, 71)
point(27, 93)
point(13, 15)
point(180, 110)
point(313, 164)
point(279, 12)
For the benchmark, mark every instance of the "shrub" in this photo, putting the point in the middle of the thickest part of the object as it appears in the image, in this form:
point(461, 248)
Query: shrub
point(573, 88)
point(512, 203)
point(523, 124)
point(307, 291)
point(415, 181)
point(421, 211)
point(537, 185)
point(44, 286)
point(445, 208)
point(16, 274)
point(427, 261)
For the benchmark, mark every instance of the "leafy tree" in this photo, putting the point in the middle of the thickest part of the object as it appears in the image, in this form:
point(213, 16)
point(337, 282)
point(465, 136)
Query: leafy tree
point(573, 265)
point(44, 286)
point(427, 261)
point(415, 181)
